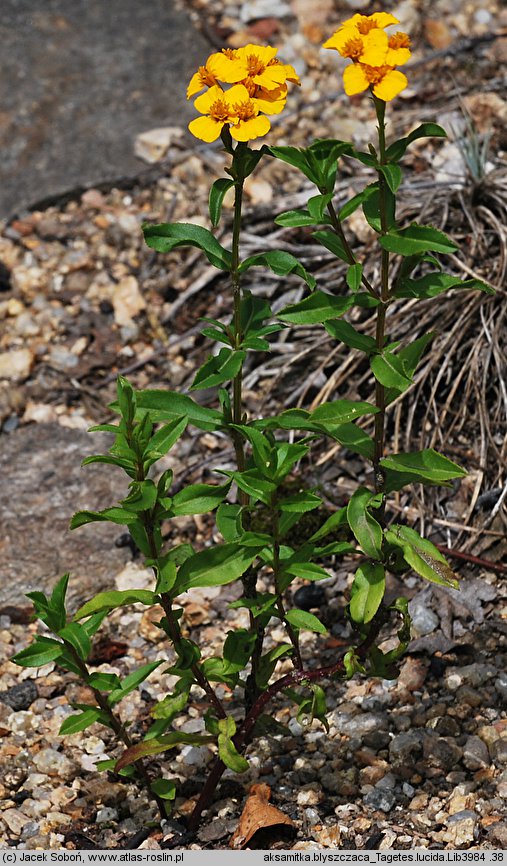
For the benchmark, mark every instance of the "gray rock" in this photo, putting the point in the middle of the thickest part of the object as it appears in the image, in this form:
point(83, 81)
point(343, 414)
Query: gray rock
point(498, 752)
point(475, 754)
point(360, 725)
point(15, 820)
point(380, 799)
point(462, 828)
point(497, 834)
point(424, 619)
point(106, 814)
point(501, 685)
point(54, 763)
point(20, 696)
point(441, 752)
point(406, 748)
point(470, 675)
point(42, 464)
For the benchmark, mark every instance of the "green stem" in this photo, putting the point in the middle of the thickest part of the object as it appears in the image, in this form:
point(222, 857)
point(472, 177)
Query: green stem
point(237, 397)
point(380, 396)
point(293, 636)
point(336, 223)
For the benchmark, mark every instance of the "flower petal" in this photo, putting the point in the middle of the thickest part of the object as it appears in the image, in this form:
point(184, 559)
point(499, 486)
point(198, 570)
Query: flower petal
point(375, 46)
point(246, 130)
point(228, 70)
point(238, 93)
point(339, 39)
point(392, 84)
point(205, 128)
point(204, 102)
point(383, 19)
point(397, 56)
point(291, 74)
point(354, 79)
point(195, 85)
point(271, 101)
point(264, 53)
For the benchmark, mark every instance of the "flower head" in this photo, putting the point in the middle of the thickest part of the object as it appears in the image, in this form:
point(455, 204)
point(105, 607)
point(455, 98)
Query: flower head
point(259, 87)
point(374, 55)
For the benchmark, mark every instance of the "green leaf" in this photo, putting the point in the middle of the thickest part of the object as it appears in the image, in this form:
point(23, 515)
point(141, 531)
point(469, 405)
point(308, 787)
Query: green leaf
point(281, 263)
point(42, 651)
point(417, 239)
point(365, 528)
point(171, 705)
point(219, 368)
point(165, 237)
point(92, 625)
point(354, 276)
point(142, 496)
point(104, 682)
point(298, 218)
point(199, 498)
point(131, 682)
point(215, 566)
point(109, 515)
point(396, 150)
point(76, 635)
point(409, 357)
point(303, 620)
point(425, 467)
point(300, 503)
point(352, 205)
point(57, 600)
point(255, 485)
point(388, 369)
point(238, 647)
point(372, 209)
point(164, 439)
point(169, 405)
point(306, 570)
point(317, 307)
point(164, 788)
point(216, 198)
point(79, 722)
point(367, 591)
point(332, 242)
point(156, 746)
point(227, 751)
point(337, 520)
point(126, 399)
point(353, 438)
point(267, 663)
point(341, 412)
point(228, 519)
point(422, 555)
point(166, 573)
point(115, 598)
point(127, 465)
point(317, 205)
point(342, 330)
point(435, 283)
point(393, 175)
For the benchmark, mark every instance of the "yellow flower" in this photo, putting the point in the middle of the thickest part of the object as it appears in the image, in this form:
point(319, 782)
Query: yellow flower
point(349, 39)
point(206, 76)
point(385, 81)
point(398, 49)
point(255, 64)
point(234, 107)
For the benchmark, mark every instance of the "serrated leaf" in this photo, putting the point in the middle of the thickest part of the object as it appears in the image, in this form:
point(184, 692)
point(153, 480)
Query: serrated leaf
point(157, 746)
point(219, 368)
point(106, 601)
point(165, 237)
point(317, 308)
point(354, 438)
point(365, 528)
point(253, 483)
point(426, 467)
point(435, 283)
point(169, 405)
point(303, 620)
point(281, 263)
point(216, 198)
point(389, 371)
point(216, 566)
point(367, 591)
point(417, 239)
point(422, 555)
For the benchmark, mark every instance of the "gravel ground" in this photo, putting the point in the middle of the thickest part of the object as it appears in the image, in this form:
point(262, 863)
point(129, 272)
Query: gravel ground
point(419, 762)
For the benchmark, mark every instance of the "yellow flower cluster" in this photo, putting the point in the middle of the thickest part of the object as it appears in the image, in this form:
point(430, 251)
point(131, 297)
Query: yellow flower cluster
point(259, 87)
point(374, 54)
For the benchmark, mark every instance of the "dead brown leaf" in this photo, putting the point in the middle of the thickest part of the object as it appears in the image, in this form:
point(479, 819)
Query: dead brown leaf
point(257, 814)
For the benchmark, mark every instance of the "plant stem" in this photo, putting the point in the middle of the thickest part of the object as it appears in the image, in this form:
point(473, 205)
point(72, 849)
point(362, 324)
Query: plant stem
point(336, 223)
point(237, 398)
point(117, 727)
point(296, 677)
point(380, 396)
point(293, 637)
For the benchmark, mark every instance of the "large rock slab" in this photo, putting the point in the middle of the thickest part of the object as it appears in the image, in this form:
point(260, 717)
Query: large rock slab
point(43, 483)
point(79, 81)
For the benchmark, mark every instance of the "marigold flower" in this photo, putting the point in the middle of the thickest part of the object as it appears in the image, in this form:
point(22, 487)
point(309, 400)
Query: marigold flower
point(206, 76)
point(255, 64)
point(385, 81)
point(349, 38)
point(234, 107)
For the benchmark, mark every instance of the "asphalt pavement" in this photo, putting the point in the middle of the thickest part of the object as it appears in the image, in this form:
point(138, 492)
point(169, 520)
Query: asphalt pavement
point(79, 80)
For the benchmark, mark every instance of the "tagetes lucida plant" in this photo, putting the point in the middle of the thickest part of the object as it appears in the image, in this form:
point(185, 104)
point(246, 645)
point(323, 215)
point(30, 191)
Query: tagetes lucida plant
point(262, 501)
